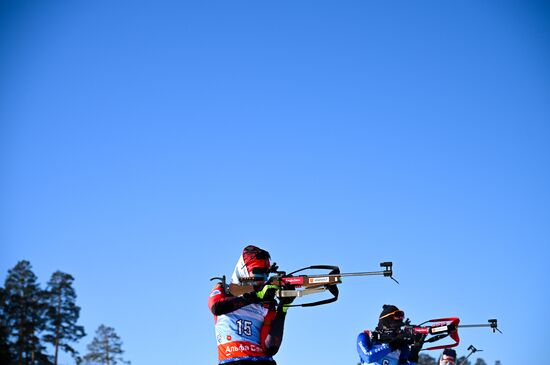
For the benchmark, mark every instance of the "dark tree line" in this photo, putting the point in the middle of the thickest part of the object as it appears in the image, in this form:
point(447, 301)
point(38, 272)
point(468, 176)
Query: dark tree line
point(425, 359)
point(34, 319)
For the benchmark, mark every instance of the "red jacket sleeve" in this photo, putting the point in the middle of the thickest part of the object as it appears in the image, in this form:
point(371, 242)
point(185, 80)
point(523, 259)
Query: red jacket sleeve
point(220, 302)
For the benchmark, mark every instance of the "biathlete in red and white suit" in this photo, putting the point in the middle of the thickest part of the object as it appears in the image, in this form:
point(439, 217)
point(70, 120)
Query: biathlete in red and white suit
point(249, 328)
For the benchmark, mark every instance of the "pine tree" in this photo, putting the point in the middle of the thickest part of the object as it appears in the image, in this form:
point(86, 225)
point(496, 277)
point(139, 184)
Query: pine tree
point(480, 362)
point(24, 313)
point(5, 345)
point(62, 314)
point(425, 359)
point(106, 348)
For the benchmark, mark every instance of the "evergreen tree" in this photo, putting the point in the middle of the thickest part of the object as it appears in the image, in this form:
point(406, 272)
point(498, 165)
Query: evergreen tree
point(425, 359)
point(463, 361)
point(480, 362)
point(5, 345)
point(24, 313)
point(62, 314)
point(106, 348)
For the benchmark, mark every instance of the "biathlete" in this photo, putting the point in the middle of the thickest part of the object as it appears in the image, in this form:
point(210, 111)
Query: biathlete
point(394, 349)
point(249, 328)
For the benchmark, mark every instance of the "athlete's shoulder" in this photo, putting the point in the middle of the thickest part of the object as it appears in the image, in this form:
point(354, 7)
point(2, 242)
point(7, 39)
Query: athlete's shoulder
point(218, 289)
point(365, 335)
point(217, 294)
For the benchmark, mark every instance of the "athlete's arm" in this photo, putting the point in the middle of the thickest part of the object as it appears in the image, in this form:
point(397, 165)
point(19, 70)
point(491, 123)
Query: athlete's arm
point(220, 302)
point(404, 357)
point(275, 330)
point(369, 353)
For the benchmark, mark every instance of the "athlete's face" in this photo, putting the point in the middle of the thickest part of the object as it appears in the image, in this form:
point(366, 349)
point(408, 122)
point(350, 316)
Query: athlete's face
point(260, 275)
point(394, 320)
point(447, 360)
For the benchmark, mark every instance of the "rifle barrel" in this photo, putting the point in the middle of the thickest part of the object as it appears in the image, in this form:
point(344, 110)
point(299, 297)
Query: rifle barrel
point(474, 325)
point(366, 273)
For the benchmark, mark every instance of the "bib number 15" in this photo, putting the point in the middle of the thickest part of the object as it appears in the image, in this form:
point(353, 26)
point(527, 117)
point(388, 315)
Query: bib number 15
point(244, 327)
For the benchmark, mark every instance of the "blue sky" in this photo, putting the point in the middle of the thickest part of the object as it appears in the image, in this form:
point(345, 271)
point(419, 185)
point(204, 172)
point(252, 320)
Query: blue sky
point(144, 144)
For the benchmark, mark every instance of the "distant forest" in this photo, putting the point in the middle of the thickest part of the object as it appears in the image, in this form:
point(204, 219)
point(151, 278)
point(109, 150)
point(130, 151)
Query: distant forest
point(425, 359)
point(36, 324)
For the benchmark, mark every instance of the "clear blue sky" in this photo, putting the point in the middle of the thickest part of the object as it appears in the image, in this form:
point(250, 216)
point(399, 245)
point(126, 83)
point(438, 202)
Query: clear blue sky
point(143, 144)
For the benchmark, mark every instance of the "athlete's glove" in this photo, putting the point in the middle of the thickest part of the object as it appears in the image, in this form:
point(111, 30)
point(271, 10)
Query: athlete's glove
point(397, 343)
point(251, 297)
point(267, 292)
point(415, 349)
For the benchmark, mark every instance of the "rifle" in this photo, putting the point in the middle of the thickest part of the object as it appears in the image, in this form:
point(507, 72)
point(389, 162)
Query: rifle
point(301, 285)
point(472, 349)
point(440, 329)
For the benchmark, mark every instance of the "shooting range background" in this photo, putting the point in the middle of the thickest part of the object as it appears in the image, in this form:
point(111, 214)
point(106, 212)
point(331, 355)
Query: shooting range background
point(144, 144)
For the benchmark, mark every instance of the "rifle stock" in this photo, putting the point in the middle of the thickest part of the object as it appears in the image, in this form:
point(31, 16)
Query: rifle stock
point(238, 290)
